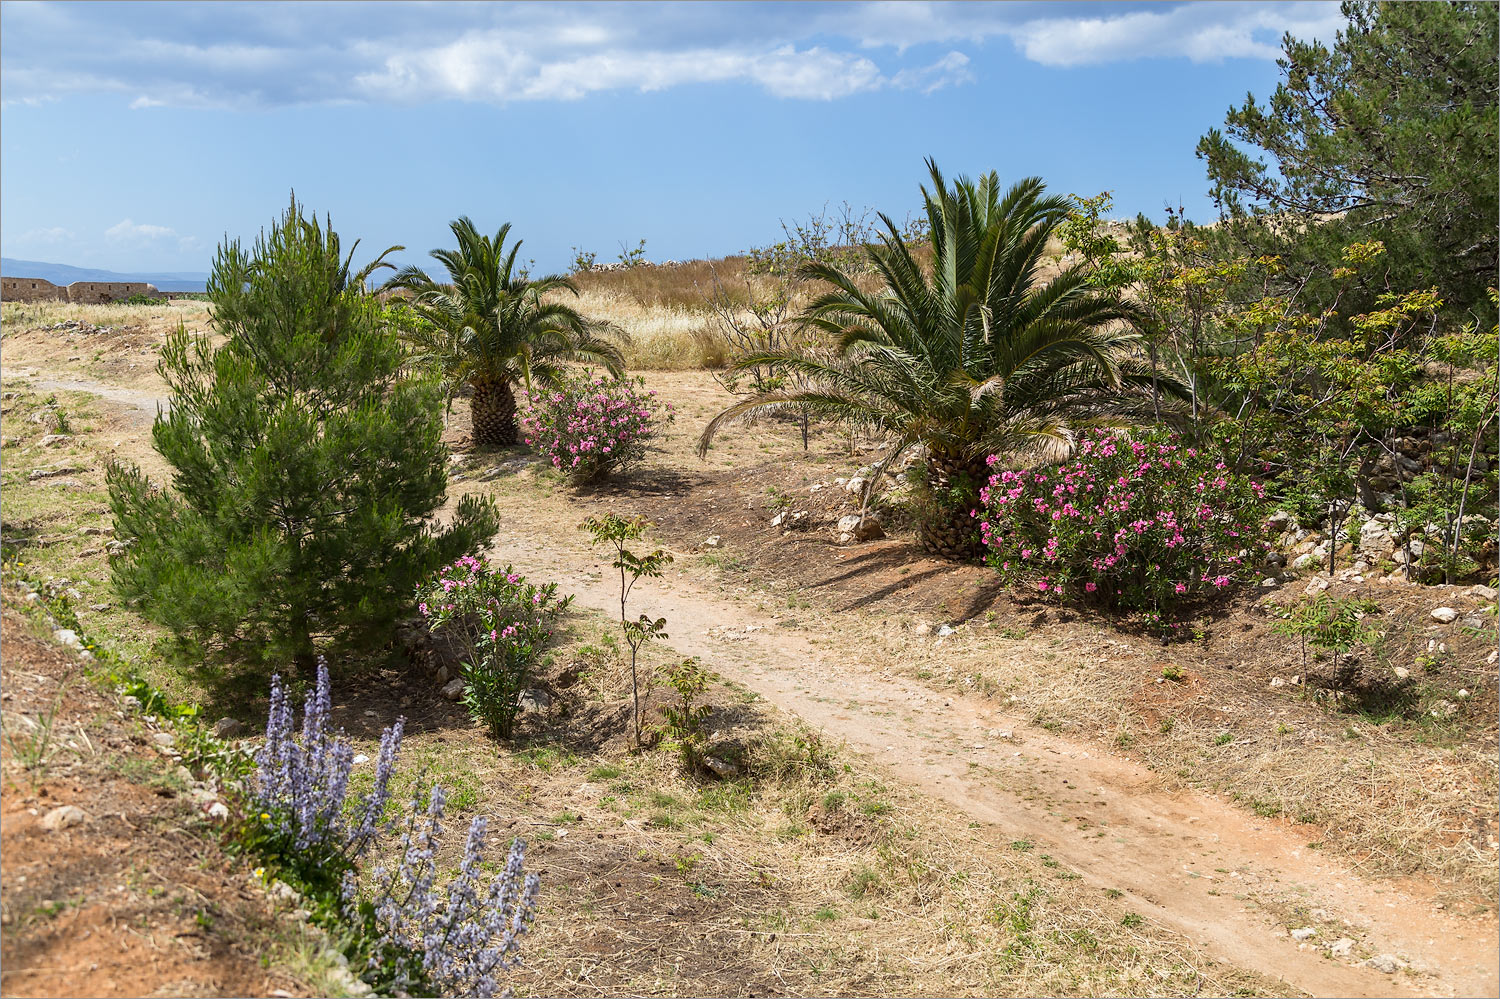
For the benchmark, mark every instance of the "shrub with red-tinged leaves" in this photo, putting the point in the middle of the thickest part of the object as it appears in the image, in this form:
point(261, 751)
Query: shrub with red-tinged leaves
point(1141, 522)
point(591, 426)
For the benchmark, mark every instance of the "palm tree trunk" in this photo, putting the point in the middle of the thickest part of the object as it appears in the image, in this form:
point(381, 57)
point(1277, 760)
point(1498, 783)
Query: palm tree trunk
point(949, 530)
point(492, 413)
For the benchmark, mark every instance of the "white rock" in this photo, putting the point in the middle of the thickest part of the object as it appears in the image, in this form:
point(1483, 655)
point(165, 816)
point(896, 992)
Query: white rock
point(1341, 947)
point(218, 811)
point(1386, 963)
point(1483, 592)
point(1305, 933)
point(1444, 614)
point(67, 636)
point(453, 689)
point(779, 519)
point(712, 541)
point(534, 701)
point(1277, 681)
point(64, 817)
point(856, 485)
point(361, 758)
point(163, 738)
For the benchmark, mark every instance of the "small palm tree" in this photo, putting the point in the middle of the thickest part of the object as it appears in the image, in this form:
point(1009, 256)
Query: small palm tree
point(489, 328)
point(976, 358)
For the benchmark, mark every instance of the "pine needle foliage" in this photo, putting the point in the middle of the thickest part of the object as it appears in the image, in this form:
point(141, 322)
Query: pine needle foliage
point(306, 464)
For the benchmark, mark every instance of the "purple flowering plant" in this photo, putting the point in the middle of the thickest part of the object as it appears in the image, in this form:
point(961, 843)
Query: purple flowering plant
point(1143, 522)
point(500, 625)
point(299, 810)
point(450, 940)
point(590, 426)
point(418, 934)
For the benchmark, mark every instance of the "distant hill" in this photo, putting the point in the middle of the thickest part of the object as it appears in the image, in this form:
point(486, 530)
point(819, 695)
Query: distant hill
point(63, 274)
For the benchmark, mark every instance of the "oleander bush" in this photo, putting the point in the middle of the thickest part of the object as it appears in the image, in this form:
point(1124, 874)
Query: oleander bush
point(1139, 522)
point(591, 426)
point(501, 625)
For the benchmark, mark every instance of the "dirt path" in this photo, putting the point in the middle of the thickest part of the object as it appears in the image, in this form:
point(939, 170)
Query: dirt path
point(1193, 862)
point(1187, 859)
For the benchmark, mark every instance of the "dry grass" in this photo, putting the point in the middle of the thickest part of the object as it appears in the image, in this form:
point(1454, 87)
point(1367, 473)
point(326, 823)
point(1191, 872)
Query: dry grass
point(1396, 798)
point(26, 315)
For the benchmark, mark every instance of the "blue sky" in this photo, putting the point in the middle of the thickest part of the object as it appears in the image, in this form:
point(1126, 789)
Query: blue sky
point(134, 137)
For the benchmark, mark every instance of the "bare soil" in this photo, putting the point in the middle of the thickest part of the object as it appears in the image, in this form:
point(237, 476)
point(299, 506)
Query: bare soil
point(135, 900)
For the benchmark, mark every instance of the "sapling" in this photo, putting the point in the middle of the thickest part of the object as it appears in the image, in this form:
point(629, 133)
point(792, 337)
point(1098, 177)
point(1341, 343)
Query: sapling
point(617, 531)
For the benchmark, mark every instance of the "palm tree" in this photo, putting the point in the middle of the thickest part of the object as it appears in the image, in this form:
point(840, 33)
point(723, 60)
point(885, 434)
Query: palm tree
point(490, 328)
point(978, 357)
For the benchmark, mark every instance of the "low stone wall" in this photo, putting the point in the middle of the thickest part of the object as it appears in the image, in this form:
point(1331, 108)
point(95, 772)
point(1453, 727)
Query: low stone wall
point(14, 289)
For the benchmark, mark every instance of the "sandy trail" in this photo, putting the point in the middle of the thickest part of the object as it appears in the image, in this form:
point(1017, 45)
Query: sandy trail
point(1181, 857)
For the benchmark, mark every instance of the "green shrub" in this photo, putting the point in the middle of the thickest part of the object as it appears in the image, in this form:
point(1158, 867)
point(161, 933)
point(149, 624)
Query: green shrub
point(1141, 522)
point(502, 625)
point(306, 465)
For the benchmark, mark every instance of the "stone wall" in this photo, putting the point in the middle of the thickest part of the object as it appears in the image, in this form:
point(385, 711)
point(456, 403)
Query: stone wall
point(81, 292)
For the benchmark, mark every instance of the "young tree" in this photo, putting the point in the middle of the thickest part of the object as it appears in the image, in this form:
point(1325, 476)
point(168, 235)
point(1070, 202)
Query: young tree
point(306, 465)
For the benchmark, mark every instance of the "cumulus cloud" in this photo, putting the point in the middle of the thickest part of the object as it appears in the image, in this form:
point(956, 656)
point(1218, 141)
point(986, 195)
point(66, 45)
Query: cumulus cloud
point(1207, 32)
point(271, 55)
point(126, 229)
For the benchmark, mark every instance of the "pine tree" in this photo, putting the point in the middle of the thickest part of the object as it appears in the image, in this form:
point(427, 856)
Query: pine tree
point(306, 464)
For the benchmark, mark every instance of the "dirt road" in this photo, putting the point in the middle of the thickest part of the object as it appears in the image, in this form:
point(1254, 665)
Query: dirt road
point(1191, 861)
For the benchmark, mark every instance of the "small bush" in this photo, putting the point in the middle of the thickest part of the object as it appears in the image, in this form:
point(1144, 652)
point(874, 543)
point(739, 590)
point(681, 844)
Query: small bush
point(502, 625)
point(1142, 523)
point(591, 426)
point(298, 817)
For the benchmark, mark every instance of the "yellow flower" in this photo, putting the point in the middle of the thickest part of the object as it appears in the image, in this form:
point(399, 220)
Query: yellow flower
point(265, 815)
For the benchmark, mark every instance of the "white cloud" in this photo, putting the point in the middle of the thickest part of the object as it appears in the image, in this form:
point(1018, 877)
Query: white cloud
point(272, 55)
point(1207, 32)
point(52, 234)
point(949, 71)
point(126, 229)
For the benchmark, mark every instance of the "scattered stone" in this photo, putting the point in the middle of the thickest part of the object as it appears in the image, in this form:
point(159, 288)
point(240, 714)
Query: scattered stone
point(534, 701)
point(1277, 681)
point(722, 768)
point(779, 519)
point(99, 607)
point(855, 528)
point(453, 689)
point(1305, 933)
point(922, 628)
point(228, 728)
point(1444, 614)
point(1462, 695)
point(53, 472)
point(1316, 585)
point(1444, 710)
point(53, 440)
point(218, 811)
point(856, 485)
point(116, 547)
point(712, 541)
point(1387, 964)
point(443, 676)
point(361, 758)
point(163, 738)
point(1341, 947)
point(64, 817)
point(1484, 592)
point(945, 631)
point(68, 637)
point(1402, 673)
point(1269, 583)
